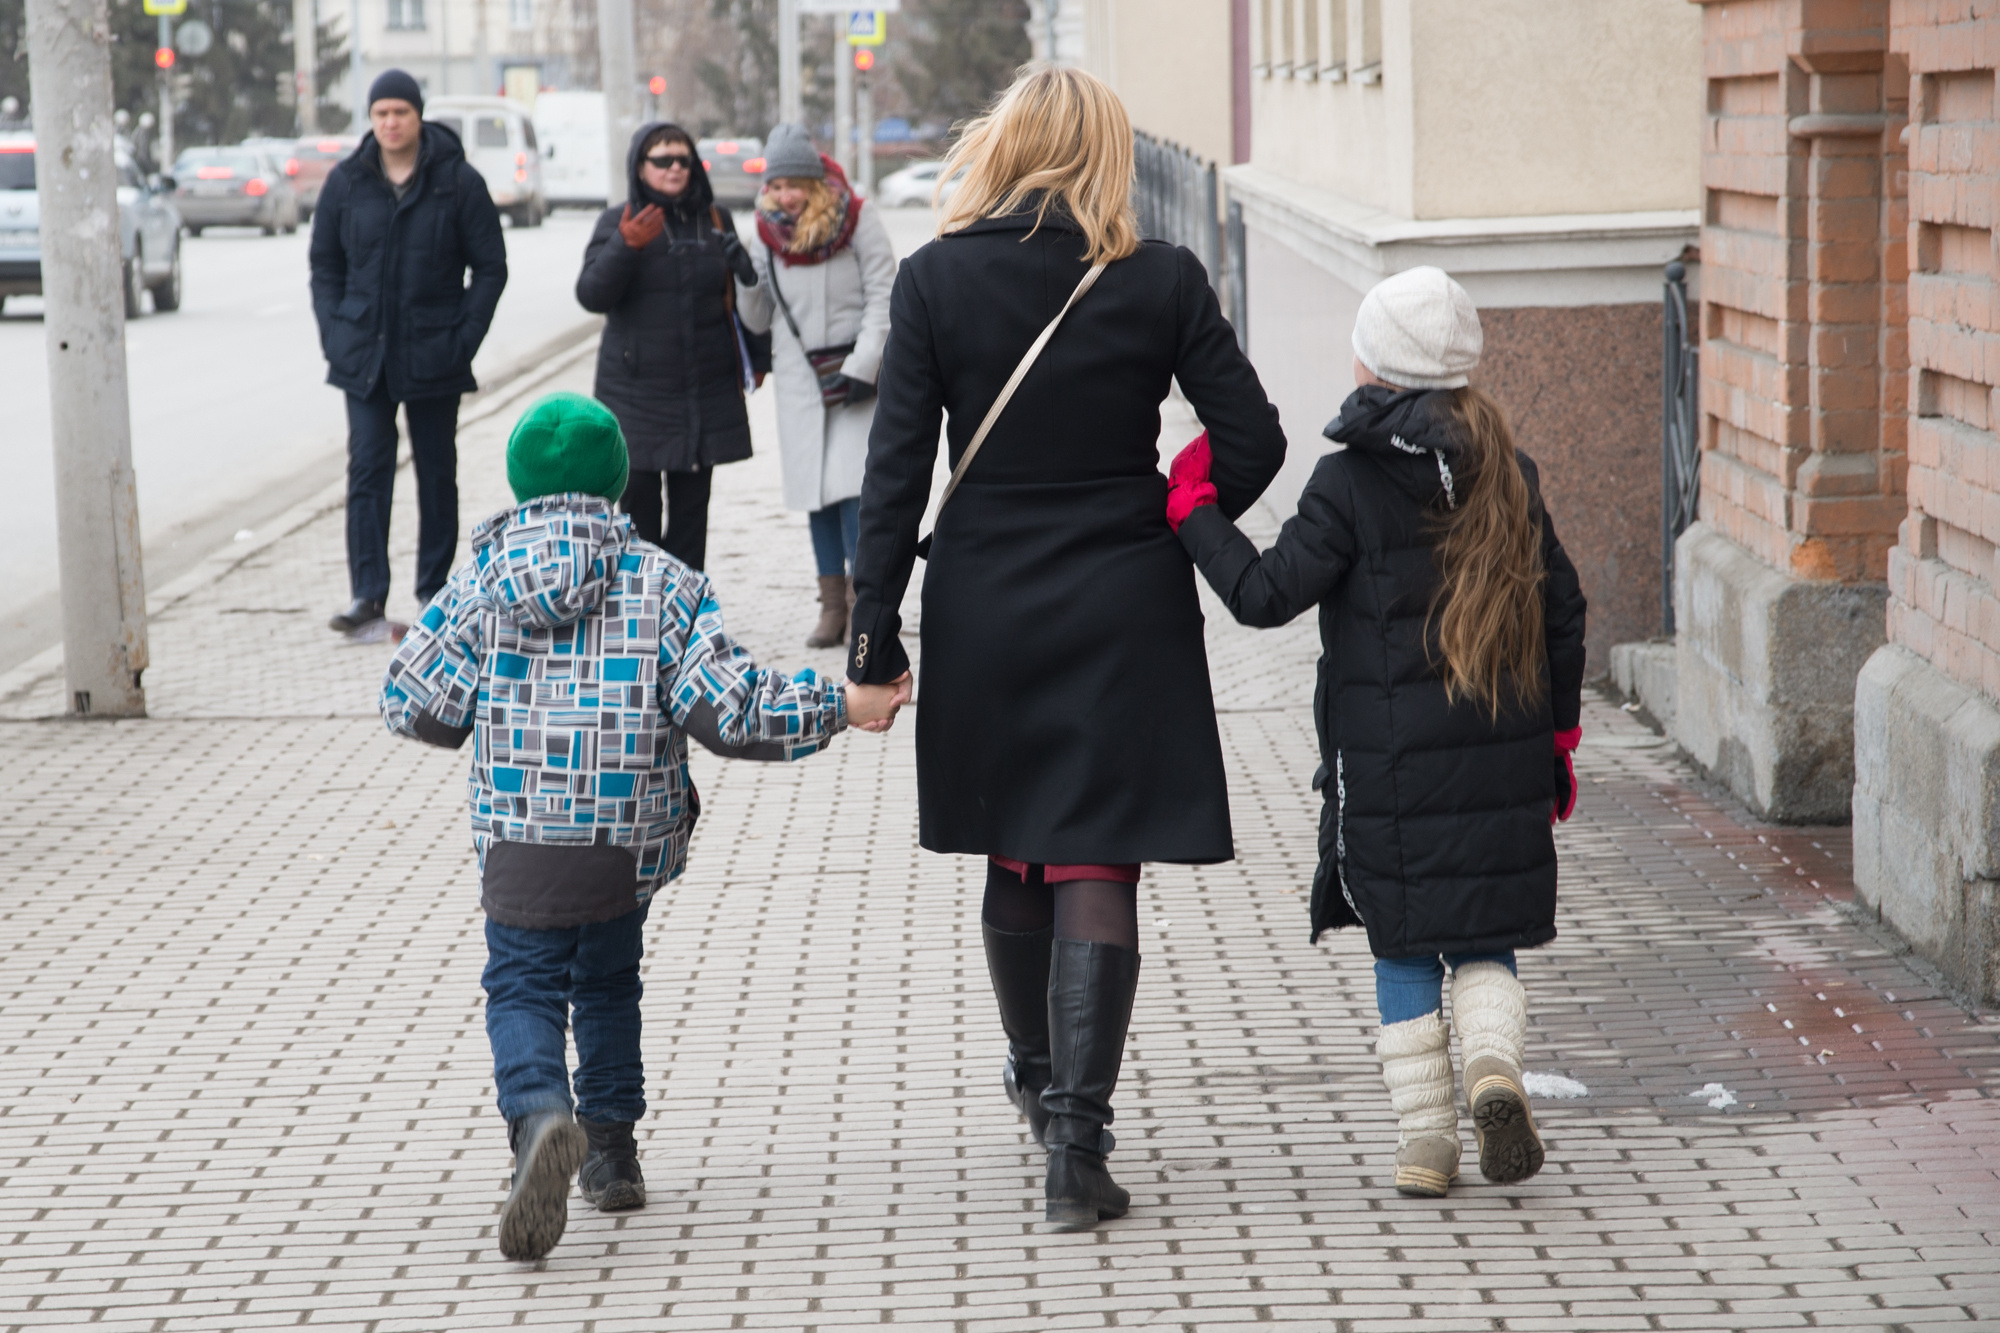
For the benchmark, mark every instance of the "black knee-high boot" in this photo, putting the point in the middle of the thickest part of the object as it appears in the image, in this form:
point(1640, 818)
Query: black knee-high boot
point(1019, 966)
point(1091, 987)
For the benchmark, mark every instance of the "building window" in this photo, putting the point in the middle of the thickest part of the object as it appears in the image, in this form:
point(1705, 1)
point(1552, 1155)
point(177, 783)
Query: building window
point(521, 15)
point(406, 14)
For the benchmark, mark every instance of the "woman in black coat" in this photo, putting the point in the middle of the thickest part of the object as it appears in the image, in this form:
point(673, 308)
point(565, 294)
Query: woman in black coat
point(1447, 706)
point(1067, 730)
point(672, 365)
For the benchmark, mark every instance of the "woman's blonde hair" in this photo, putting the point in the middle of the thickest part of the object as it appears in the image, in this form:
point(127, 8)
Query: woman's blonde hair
point(817, 223)
point(1488, 608)
point(1058, 132)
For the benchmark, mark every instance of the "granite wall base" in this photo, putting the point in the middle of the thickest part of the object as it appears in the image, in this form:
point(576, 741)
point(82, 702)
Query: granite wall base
point(1927, 814)
point(1581, 386)
point(1765, 677)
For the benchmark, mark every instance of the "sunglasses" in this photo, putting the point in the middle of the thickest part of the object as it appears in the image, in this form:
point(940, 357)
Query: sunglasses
point(668, 161)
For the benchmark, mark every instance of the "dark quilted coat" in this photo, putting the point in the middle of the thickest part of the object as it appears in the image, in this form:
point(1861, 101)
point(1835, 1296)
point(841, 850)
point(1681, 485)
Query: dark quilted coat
point(668, 365)
point(1436, 833)
point(389, 281)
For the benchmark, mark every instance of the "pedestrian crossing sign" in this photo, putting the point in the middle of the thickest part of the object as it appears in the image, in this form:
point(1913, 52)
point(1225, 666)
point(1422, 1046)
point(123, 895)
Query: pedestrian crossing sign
point(166, 6)
point(865, 27)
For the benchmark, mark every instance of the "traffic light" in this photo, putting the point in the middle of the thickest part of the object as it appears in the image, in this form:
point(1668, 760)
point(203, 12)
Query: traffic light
point(864, 59)
point(164, 57)
point(657, 85)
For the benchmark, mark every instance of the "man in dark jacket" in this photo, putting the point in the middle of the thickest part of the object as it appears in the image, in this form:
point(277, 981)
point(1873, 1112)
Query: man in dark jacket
point(398, 225)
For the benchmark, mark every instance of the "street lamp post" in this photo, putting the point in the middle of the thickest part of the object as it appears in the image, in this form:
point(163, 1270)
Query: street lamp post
point(83, 328)
point(618, 63)
point(791, 108)
point(843, 98)
point(305, 60)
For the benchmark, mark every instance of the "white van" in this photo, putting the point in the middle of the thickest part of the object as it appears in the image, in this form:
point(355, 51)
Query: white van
point(571, 129)
point(500, 143)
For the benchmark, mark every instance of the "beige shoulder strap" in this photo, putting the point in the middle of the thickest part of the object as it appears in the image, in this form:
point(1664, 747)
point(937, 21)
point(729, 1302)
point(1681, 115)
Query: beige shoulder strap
point(1014, 382)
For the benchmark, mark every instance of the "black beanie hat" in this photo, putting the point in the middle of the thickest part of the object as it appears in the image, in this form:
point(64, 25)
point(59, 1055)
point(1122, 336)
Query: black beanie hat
point(395, 83)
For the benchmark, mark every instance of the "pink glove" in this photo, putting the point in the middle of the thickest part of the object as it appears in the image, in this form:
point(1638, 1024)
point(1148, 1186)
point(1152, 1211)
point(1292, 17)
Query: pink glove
point(1188, 486)
point(1566, 743)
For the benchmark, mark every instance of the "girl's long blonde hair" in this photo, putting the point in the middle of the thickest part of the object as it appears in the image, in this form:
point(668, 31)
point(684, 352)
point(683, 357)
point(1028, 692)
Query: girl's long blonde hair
point(1056, 131)
point(818, 222)
point(1488, 607)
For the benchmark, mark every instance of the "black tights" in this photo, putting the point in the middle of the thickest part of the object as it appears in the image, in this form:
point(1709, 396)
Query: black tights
point(1094, 910)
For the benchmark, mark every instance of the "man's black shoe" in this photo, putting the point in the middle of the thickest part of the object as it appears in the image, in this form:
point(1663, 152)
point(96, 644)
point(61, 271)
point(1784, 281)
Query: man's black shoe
point(362, 612)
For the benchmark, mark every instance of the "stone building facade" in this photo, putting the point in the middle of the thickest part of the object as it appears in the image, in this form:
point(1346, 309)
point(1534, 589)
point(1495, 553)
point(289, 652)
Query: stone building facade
point(1838, 649)
point(1779, 592)
point(1927, 705)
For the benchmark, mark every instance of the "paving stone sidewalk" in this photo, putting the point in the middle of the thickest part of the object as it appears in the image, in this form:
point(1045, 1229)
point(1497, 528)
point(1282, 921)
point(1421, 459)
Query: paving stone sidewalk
point(244, 1080)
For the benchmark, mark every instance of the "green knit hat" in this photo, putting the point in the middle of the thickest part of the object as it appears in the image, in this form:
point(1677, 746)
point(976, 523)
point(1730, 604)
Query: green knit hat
point(566, 442)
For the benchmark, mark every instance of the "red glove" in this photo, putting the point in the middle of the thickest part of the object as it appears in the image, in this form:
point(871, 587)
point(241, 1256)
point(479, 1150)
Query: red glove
point(1188, 486)
point(641, 229)
point(1566, 743)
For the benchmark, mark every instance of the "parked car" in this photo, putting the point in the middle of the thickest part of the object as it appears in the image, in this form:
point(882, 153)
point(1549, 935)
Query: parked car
point(234, 187)
point(570, 127)
point(309, 161)
point(149, 230)
point(909, 187)
point(500, 143)
point(735, 169)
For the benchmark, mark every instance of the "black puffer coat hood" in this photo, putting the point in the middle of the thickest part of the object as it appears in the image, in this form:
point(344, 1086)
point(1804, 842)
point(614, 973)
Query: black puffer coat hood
point(667, 364)
point(693, 201)
point(1436, 832)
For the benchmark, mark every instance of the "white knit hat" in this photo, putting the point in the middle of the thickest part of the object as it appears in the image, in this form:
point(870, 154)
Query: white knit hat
point(1419, 330)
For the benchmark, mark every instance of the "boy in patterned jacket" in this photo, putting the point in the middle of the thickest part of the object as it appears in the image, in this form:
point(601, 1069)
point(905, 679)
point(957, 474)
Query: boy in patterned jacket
point(578, 659)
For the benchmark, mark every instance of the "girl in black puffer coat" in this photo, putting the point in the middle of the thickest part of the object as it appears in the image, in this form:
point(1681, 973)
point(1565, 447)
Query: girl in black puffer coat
point(1448, 705)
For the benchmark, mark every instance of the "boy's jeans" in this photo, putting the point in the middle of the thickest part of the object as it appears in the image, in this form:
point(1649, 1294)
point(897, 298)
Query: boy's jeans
point(1407, 988)
point(539, 982)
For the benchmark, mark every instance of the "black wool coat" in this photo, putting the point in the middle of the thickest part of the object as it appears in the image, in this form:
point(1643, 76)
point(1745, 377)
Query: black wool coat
point(1435, 834)
point(389, 277)
point(668, 365)
point(1064, 713)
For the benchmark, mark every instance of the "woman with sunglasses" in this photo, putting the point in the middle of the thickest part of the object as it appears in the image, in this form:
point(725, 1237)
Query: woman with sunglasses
point(672, 365)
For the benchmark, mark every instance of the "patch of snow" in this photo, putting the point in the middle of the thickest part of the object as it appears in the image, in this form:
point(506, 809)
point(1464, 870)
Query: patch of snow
point(1539, 1084)
point(1716, 1095)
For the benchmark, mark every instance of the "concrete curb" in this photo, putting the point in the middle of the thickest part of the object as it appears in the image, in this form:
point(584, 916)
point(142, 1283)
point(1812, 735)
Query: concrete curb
point(557, 356)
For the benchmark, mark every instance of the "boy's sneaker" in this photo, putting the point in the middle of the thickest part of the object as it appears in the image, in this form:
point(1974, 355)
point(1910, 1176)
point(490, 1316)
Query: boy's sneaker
point(547, 1149)
point(610, 1179)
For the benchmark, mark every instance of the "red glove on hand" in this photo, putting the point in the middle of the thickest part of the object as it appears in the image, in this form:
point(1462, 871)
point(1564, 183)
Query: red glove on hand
point(1566, 743)
point(1188, 486)
point(641, 229)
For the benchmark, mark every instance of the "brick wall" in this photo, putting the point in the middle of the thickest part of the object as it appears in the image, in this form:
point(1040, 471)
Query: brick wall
point(1942, 572)
point(1803, 356)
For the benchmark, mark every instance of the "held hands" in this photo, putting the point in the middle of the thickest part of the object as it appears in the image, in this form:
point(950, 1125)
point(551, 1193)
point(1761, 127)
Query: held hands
point(641, 229)
point(1188, 486)
point(873, 707)
point(1566, 743)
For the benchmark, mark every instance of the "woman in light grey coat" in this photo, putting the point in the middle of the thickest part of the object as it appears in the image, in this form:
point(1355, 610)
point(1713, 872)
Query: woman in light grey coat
point(825, 266)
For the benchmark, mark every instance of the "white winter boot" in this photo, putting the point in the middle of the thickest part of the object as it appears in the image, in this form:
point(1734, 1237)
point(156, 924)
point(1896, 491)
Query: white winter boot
point(1416, 1064)
point(1489, 1010)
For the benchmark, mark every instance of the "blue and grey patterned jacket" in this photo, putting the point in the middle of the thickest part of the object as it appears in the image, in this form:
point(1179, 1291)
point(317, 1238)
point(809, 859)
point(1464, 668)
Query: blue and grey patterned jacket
point(579, 658)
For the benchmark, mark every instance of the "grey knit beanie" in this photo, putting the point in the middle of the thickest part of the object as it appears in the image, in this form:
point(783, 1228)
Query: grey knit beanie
point(1419, 330)
point(789, 155)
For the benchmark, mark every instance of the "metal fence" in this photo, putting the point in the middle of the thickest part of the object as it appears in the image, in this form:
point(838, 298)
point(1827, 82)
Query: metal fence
point(1680, 431)
point(1177, 197)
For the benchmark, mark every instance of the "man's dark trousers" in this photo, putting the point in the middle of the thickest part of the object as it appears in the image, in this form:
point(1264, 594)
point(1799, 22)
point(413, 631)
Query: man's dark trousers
point(371, 484)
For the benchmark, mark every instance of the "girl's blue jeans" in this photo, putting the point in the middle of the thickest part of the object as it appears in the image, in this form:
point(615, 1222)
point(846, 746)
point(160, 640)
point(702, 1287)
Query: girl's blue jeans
point(1407, 988)
point(836, 530)
point(541, 983)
